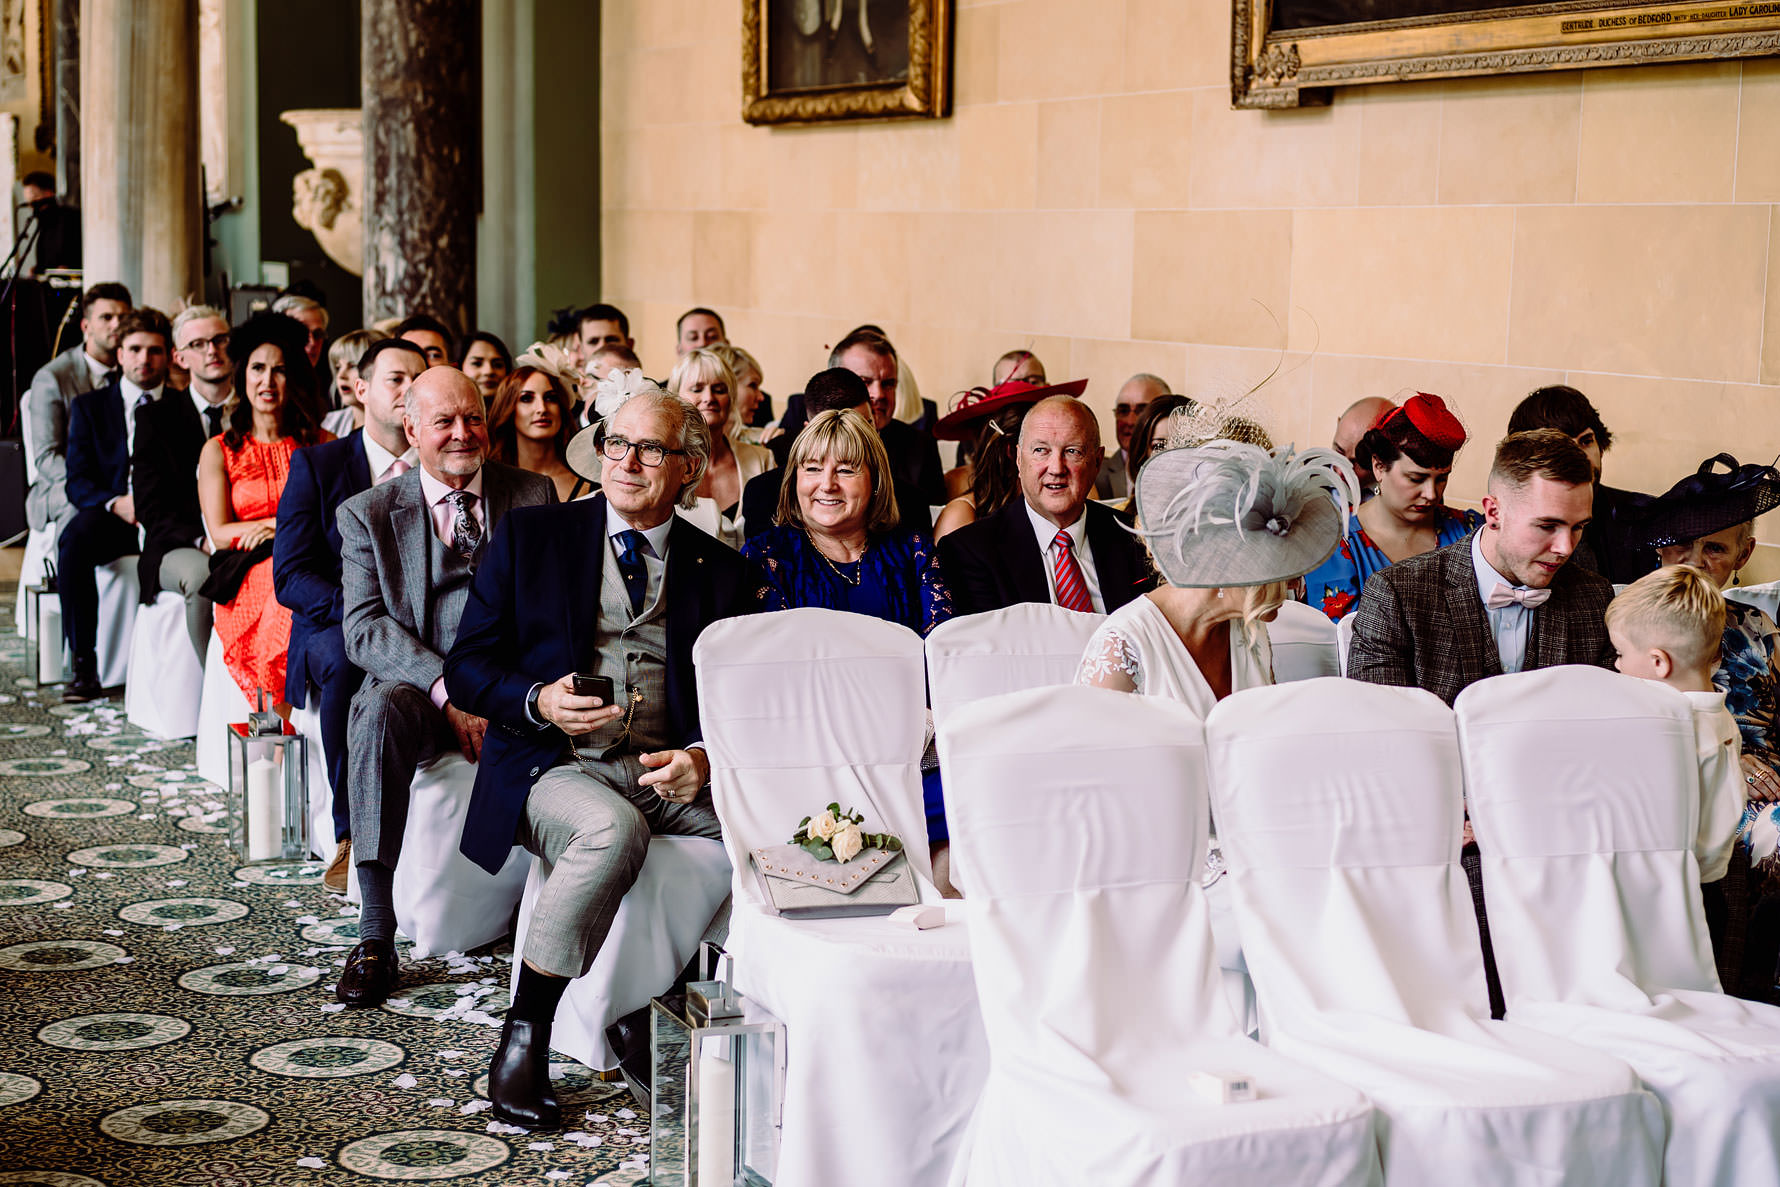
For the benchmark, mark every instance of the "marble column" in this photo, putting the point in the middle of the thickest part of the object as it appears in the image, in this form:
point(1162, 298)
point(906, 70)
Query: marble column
point(421, 165)
point(64, 115)
point(141, 212)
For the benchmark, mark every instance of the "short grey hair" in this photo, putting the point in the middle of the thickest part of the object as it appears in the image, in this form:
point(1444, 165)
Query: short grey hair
point(297, 303)
point(690, 430)
point(1146, 377)
point(192, 313)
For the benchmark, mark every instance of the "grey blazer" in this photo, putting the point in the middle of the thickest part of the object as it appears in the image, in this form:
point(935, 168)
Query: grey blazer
point(53, 389)
point(383, 570)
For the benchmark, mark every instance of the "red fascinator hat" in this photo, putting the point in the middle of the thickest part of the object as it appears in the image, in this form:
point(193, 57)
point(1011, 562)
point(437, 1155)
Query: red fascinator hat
point(970, 408)
point(1430, 417)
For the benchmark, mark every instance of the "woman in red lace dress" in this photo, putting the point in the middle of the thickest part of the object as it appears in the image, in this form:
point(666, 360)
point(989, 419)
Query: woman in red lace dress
point(240, 477)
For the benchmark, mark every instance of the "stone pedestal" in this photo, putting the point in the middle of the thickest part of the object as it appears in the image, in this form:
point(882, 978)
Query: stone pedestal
point(325, 199)
point(142, 217)
point(421, 128)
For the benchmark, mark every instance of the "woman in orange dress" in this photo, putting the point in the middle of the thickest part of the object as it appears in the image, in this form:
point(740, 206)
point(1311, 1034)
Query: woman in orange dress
point(241, 474)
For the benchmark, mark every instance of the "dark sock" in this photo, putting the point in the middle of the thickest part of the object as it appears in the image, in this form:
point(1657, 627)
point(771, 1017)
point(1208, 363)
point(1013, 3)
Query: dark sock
point(537, 996)
point(377, 914)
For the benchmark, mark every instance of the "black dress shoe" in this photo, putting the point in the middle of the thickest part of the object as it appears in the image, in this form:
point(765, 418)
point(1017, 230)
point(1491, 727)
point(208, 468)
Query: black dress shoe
point(519, 1077)
point(81, 688)
point(370, 975)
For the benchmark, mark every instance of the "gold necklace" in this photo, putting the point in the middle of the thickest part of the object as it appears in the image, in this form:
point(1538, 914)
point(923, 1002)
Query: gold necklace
point(834, 568)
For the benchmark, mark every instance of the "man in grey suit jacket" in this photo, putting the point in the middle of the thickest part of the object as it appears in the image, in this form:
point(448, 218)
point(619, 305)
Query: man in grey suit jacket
point(75, 371)
point(408, 550)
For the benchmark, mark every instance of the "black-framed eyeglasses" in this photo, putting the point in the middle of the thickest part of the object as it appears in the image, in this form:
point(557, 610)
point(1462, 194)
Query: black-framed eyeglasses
point(650, 453)
point(220, 343)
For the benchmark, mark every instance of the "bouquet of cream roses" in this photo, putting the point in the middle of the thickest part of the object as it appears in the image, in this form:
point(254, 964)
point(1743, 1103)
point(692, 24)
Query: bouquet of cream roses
point(836, 834)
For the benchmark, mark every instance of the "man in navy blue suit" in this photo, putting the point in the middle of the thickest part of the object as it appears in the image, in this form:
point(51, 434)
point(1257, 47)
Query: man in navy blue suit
point(618, 587)
point(101, 431)
point(306, 559)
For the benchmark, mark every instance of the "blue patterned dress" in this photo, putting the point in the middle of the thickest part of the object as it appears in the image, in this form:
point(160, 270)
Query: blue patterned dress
point(898, 577)
point(1334, 586)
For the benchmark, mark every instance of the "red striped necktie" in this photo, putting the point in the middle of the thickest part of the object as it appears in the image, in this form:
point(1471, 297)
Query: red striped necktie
point(1072, 587)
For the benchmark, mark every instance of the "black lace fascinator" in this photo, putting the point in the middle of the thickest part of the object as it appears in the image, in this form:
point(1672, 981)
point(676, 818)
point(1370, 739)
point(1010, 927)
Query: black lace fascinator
point(1705, 502)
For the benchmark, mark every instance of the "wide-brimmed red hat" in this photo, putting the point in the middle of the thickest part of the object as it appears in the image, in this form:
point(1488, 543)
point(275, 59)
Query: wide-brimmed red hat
point(971, 407)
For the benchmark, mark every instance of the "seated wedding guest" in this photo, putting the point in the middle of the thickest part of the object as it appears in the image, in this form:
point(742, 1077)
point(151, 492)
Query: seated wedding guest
point(530, 424)
point(428, 333)
point(421, 532)
point(991, 416)
point(1504, 599)
point(312, 315)
point(306, 559)
point(1608, 548)
point(170, 437)
point(81, 368)
point(1052, 544)
point(560, 364)
point(835, 388)
point(697, 329)
point(343, 357)
point(1355, 423)
point(913, 455)
point(105, 526)
point(241, 476)
point(563, 332)
point(1150, 428)
point(1018, 364)
point(1136, 394)
point(487, 361)
point(1406, 457)
point(607, 359)
point(1230, 527)
point(704, 380)
point(599, 326)
point(578, 782)
point(754, 408)
point(837, 543)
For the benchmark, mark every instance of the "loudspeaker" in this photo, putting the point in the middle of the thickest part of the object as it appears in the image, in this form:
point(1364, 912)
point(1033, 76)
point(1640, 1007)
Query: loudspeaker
point(12, 491)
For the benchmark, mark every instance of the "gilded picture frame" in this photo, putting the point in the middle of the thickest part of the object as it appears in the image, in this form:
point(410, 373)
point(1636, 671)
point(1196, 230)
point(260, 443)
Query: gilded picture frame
point(821, 61)
point(1274, 65)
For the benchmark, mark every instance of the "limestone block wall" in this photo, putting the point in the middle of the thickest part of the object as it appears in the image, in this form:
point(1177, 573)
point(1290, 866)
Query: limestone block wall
point(1094, 198)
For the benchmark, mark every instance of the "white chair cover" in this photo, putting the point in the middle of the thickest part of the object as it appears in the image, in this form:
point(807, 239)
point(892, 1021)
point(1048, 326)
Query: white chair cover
point(885, 1046)
point(40, 546)
point(1085, 829)
point(1606, 828)
point(1339, 810)
point(307, 721)
point(165, 679)
point(1344, 639)
point(118, 601)
point(1304, 645)
point(663, 917)
point(1765, 597)
point(220, 704)
point(1029, 645)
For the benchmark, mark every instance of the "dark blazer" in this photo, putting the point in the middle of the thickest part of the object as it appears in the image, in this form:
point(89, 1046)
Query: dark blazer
point(997, 562)
point(1611, 547)
point(914, 458)
point(98, 448)
point(1420, 624)
point(385, 577)
point(306, 549)
point(530, 620)
point(760, 503)
point(164, 463)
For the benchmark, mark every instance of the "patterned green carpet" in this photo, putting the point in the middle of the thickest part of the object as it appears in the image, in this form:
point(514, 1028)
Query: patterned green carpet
point(167, 1016)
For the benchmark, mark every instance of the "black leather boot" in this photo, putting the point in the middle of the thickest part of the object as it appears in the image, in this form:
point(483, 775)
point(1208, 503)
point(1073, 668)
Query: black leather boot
point(83, 682)
point(519, 1077)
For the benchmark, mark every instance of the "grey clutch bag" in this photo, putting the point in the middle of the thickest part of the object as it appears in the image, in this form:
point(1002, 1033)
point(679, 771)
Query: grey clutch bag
point(799, 886)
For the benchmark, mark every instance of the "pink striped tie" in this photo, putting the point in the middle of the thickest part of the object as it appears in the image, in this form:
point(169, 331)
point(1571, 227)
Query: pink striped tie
point(1072, 588)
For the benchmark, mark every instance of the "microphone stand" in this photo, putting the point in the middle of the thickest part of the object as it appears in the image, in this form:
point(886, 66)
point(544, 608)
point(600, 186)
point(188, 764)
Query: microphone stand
point(22, 245)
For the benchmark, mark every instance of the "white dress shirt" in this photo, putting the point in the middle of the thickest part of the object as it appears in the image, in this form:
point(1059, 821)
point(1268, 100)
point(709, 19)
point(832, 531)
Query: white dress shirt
point(134, 398)
point(1046, 531)
point(203, 406)
point(96, 369)
point(380, 458)
point(1511, 625)
point(654, 557)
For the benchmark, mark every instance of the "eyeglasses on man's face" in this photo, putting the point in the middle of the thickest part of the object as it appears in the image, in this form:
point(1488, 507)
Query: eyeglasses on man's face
point(219, 344)
point(650, 453)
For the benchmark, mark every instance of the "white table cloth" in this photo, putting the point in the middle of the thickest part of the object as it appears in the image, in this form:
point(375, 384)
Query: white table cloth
point(1094, 961)
point(885, 1049)
point(1339, 810)
point(1584, 792)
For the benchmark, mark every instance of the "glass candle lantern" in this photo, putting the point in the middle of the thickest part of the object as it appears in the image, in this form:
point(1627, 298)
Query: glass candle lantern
point(43, 630)
point(268, 793)
point(718, 1062)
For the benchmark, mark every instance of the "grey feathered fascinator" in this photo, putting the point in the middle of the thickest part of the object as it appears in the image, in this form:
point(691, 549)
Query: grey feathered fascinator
point(1230, 514)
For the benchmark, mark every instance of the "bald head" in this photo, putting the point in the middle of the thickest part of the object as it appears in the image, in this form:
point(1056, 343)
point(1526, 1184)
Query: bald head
point(446, 424)
point(1352, 424)
point(1136, 392)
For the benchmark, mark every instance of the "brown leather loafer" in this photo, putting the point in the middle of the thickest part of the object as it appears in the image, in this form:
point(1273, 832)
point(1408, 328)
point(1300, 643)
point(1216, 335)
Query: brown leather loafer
point(334, 878)
point(370, 975)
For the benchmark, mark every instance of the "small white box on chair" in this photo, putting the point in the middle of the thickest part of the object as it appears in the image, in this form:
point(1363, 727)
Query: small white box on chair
point(1214, 1089)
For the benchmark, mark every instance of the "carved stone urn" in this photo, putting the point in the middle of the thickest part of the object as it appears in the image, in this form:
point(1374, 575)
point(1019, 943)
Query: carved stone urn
point(325, 199)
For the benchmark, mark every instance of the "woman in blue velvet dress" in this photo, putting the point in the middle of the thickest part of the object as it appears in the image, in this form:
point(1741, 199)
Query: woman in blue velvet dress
point(836, 543)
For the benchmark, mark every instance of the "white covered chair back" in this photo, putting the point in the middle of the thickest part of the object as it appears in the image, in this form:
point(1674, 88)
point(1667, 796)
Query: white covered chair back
point(1340, 813)
point(119, 598)
point(803, 708)
point(1304, 644)
point(1764, 597)
point(1344, 640)
point(1029, 645)
point(1085, 831)
point(165, 679)
point(1584, 792)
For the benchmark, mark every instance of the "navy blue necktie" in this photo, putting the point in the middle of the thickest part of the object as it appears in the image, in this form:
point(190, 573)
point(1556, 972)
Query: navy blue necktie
point(632, 547)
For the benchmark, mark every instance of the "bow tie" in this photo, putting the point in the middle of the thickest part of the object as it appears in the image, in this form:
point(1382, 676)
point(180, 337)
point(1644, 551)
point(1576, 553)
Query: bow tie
point(1504, 596)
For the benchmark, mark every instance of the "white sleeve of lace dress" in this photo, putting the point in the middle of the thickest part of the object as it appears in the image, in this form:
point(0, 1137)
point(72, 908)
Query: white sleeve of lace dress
point(1111, 661)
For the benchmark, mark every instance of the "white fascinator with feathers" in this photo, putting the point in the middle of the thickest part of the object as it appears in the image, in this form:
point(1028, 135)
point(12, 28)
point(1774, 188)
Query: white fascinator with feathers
point(1230, 514)
point(609, 395)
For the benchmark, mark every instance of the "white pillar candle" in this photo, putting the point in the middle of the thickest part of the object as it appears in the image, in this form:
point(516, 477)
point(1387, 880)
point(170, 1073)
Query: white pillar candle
point(49, 640)
point(716, 1118)
point(265, 811)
